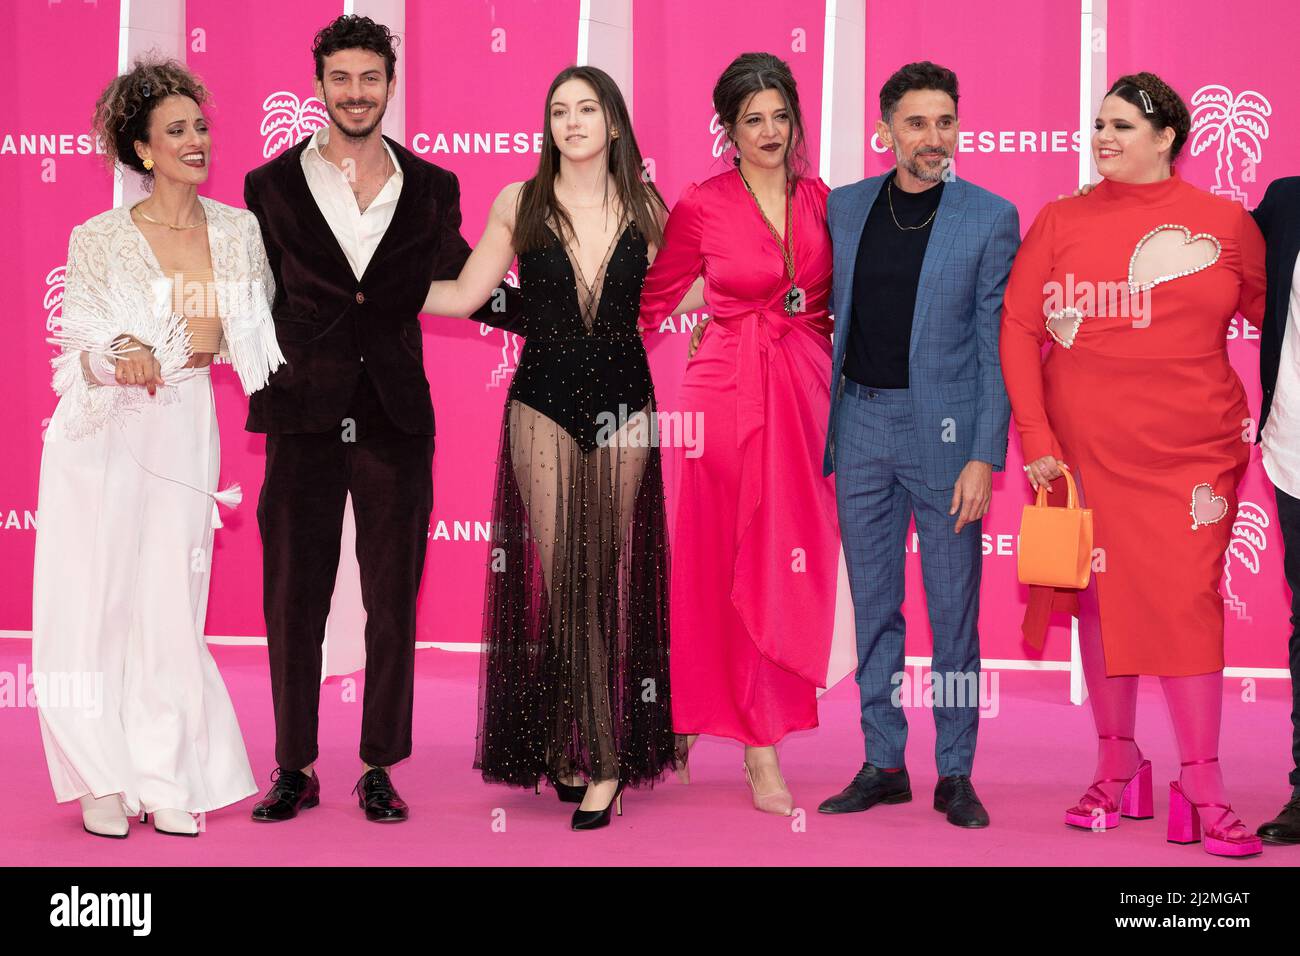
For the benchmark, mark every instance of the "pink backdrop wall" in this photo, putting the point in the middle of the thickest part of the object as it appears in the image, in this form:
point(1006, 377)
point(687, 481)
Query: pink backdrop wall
point(474, 75)
point(51, 179)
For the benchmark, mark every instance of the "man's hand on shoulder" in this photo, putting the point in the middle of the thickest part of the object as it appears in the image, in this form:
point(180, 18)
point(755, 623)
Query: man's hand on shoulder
point(1081, 191)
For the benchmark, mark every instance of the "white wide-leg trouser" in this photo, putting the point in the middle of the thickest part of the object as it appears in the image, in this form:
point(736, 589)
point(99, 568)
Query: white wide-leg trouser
point(130, 699)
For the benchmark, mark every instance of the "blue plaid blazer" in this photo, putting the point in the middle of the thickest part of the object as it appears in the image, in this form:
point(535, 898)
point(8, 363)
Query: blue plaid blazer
point(960, 403)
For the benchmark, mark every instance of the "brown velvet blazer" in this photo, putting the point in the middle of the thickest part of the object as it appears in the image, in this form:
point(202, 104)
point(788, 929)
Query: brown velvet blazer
point(329, 323)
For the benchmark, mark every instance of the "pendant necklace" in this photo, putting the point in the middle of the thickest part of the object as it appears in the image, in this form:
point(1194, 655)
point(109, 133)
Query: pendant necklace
point(794, 296)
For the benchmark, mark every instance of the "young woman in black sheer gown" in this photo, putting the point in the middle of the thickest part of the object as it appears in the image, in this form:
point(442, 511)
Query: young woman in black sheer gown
point(575, 667)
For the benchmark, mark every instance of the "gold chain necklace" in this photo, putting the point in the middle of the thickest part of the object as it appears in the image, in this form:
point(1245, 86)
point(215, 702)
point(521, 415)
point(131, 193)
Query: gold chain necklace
point(148, 218)
point(794, 295)
point(890, 196)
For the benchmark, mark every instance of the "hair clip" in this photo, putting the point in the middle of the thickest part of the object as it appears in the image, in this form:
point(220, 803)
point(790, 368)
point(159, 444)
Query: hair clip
point(1146, 100)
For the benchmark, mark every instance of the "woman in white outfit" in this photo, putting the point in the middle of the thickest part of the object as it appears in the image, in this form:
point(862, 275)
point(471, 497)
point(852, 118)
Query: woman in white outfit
point(133, 712)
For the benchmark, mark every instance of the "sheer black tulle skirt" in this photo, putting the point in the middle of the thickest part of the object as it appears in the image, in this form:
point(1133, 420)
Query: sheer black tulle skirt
point(574, 675)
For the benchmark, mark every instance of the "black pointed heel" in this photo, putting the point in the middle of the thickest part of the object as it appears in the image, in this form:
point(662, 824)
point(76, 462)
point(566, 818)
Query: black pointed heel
point(568, 793)
point(595, 819)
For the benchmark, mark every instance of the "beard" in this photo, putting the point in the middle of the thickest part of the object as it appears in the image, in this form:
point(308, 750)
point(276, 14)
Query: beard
point(342, 118)
point(922, 171)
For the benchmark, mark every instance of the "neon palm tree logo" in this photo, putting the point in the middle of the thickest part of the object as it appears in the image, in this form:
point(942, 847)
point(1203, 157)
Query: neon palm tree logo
point(289, 120)
point(1232, 122)
point(719, 133)
point(1247, 542)
point(53, 301)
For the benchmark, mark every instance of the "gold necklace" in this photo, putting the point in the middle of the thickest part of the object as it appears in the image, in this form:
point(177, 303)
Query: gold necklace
point(794, 295)
point(890, 196)
point(148, 218)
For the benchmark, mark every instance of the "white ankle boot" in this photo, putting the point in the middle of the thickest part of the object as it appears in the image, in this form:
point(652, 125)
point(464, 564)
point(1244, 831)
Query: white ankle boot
point(175, 822)
point(103, 816)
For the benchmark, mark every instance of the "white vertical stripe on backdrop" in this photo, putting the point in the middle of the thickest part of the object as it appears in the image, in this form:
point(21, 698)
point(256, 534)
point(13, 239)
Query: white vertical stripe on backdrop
point(1092, 76)
point(844, 64)
point(605, 41)
point(392, 14)
point(584, 32)
point(1092, 85)
point(145, 26)
point(841, 161)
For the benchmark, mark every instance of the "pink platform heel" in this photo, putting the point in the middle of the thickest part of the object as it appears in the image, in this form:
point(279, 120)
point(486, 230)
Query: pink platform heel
point(1185, 824)
point(1102, 813)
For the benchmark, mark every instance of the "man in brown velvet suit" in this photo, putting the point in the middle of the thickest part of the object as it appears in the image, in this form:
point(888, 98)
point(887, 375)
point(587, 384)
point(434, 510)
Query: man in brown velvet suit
point(355, 228)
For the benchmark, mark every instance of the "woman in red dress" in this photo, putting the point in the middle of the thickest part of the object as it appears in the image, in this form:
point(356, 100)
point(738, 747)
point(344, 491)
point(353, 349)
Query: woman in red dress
point(754, 531)
point(1136, 284)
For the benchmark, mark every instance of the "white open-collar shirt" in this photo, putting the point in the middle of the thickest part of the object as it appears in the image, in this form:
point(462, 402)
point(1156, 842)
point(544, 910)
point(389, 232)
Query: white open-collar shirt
point(357, 232)
point(1281, 438)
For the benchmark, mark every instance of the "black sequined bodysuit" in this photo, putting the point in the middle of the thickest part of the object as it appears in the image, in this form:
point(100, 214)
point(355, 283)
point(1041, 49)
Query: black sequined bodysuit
point(583, 365)
point(574, 677)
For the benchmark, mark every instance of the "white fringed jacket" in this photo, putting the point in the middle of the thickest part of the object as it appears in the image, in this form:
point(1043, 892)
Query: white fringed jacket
point(113, 286)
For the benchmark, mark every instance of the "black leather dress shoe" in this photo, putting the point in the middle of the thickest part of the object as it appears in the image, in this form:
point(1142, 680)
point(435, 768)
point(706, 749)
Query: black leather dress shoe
point(1284, 829)
point(955, 796)
point(378, 798)
point(871, 786)
point(291, 791)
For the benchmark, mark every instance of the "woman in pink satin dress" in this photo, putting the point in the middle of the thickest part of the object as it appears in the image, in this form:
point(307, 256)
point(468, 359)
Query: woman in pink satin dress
point(754, 532)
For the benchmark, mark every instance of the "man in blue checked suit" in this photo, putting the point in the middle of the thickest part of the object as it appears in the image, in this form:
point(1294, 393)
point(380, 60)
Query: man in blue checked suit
point(918, 425)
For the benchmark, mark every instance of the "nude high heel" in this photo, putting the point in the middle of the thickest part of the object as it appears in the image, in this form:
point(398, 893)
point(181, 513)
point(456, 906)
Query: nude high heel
point(683, 754)
point(779, 802)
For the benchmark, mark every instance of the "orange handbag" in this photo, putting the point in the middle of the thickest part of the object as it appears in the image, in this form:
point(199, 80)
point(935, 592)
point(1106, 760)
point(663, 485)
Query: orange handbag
point(1055, 547)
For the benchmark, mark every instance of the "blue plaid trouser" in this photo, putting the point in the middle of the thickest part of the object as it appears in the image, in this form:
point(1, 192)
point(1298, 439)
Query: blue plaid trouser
point(878, 487)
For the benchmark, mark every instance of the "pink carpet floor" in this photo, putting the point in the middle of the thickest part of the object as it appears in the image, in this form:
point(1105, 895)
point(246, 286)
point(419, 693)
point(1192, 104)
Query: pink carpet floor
point(1034, 759)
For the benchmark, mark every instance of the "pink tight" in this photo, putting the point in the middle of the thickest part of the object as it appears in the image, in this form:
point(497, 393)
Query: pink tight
point(1195, 709)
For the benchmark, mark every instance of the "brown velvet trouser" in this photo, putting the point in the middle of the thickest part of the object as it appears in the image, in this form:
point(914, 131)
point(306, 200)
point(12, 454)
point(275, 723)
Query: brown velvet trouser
point(300, 515)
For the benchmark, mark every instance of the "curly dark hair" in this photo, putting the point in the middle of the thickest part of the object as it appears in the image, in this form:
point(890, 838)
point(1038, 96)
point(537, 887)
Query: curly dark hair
point(922, 75)
point(1168, 109)
point(353, 32)
point(752, 73)
point(122, 111)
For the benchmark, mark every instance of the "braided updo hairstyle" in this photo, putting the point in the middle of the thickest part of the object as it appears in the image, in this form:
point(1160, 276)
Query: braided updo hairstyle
point(1168, 108)
point(122, 111)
